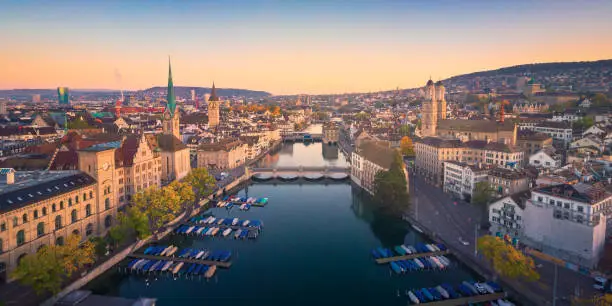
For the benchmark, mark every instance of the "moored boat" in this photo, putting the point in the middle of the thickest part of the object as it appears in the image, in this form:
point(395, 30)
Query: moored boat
point(406, 249)
point(177, 267)
point(443, 292)
point(167, 265)
point(227, 231)
point(235, 221)
point(210, 272)
point(413, 298)
point(246, 222)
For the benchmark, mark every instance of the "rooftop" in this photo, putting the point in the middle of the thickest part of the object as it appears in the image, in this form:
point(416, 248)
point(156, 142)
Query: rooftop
point(521, 197)
point(475, 125)
point(441, 142)
point(377, 153)
point(34, 186)
point(103, 146)
point(508, 173)
point(580, 192)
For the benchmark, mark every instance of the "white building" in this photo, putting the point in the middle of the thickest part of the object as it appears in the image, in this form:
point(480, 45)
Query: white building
point(546, 158)
point(568, 115)
point(461, 178)
point(560, 131)
point(567, 221)
point(595, 130)
point(506, 215)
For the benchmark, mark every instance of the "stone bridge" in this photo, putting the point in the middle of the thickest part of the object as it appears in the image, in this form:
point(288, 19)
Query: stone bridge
point(301, 136)
point(289, 173)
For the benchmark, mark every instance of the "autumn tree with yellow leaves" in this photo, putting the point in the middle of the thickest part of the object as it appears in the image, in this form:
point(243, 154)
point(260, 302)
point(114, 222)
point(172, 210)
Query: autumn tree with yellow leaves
point(45, 270)
point(506, 260)
point(407, 146)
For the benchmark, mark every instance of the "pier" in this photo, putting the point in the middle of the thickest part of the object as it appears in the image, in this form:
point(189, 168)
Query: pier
point(469, 300)
point(221, 226)
point(219, 264)
point(409, 256)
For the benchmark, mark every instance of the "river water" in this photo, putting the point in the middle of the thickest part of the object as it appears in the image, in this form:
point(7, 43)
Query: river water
point(314, 249)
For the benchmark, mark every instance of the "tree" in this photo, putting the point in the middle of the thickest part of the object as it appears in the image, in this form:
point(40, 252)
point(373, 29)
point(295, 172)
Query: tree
point(405, 130)
point(390, 188)
point(120, 231)
point(506, 260)
point(583, 124)
point(483, 193)
point(139, 222)
point(185, 193)
point(99, 245)
point(202, 183)
point(42, 271)
point(45, 270)
point(160, 205)
point(406, 146)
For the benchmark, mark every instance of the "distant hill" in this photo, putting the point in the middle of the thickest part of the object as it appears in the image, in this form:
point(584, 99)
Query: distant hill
point(539, 68)
point(184, 91)
point(180, 91)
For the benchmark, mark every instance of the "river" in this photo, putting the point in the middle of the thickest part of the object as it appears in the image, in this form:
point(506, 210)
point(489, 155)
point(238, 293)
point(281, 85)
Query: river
point(314, 249)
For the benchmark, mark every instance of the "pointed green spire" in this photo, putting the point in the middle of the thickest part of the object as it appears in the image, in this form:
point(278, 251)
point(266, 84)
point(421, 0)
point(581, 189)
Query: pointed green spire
point(171, 106)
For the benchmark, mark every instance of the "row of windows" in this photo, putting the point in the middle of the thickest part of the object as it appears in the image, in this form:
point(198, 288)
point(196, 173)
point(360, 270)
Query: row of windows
point(35, 214)
point(40, 229)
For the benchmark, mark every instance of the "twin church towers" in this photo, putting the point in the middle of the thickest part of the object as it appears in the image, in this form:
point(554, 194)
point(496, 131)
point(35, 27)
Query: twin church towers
point(434, 108)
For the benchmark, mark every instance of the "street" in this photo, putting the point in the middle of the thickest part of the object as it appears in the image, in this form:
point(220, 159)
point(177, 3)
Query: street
point(453, 220)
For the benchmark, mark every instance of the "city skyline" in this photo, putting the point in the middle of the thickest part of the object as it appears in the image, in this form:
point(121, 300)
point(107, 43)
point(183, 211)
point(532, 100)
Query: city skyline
point(288, 48)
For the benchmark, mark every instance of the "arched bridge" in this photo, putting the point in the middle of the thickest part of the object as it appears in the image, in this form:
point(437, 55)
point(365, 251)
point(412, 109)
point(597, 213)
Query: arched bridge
point(301, 136)
point(290, 173)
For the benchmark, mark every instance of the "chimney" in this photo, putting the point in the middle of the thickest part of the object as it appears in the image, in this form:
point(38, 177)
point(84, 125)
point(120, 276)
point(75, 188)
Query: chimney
point(8, 175)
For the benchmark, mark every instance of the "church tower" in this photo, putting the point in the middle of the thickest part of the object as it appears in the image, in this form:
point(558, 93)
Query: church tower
point(440, 91)
point(429, 111)
point(171, 117)
point(213, 108)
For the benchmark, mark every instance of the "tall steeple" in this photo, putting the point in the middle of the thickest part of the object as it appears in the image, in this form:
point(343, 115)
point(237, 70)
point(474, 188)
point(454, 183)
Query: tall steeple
point(171, 106)
point(213, 94)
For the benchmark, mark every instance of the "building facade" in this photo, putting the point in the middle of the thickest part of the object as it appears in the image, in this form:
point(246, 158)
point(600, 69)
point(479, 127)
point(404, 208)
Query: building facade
point(506, 215)
point(485, 130)
point(508, 181)
point(567, 221)
point(43, 208)
point(460, 178)
point(330, 133)
point(531, 142)
point(429, 111)
point(225, 154)
point(369, 159)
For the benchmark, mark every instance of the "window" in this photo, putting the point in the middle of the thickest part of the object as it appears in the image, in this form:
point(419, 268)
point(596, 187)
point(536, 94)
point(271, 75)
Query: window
point(25, 218)
point(73, 216)
point(53, 208)
point(552, 202)
point(108, 221)
point(59, 241)
point(58, 222)
point(69, 203)
point(36, 214)
point(62, 204)
point(44, 211)
point(76, 232)
point(2, 227)
point(566, 206)
point(540, 199)
point(84, 196)
point(107, 203)
point(40, 229)
point(580, 209)
point(89, 229)
point(88, 210)
point(0, 246)
point(20, 237)
point(76, 199)
point(91, 194)
point(15, 221)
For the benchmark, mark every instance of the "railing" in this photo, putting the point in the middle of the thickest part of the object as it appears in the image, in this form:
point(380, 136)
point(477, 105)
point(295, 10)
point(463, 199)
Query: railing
point(301, 169)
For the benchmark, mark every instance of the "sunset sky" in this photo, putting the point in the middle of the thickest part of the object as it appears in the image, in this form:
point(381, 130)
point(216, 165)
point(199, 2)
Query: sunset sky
point(288, 47)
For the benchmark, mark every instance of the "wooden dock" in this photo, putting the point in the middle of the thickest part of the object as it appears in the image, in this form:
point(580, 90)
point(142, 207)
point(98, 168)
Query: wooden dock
point(409, 256)
point(219, 264)
point(470, 300)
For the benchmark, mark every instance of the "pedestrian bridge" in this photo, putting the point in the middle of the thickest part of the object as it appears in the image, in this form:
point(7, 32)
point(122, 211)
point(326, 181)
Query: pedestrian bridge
point(293, 173)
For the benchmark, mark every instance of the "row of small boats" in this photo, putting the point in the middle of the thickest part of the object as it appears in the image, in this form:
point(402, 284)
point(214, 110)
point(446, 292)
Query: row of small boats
point(174, 267)
point(446, 291)
point(244, 206)
point(214, 231)
point(201, 254)
point(402, 250)
point(417, 264)
point(246, 200)
point(226, 221)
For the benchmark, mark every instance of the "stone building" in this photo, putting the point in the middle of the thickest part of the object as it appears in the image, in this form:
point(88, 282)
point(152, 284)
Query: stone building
point(42, 208)
point(531, 142)
point(508, 181)
point(370, 158)
point(461, 178)
point(487, 130)
point(213, 108)
point(228, 153)
point(330, 133)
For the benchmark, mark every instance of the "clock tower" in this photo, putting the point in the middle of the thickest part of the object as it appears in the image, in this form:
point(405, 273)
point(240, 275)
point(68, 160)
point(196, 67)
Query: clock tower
point(213, 108)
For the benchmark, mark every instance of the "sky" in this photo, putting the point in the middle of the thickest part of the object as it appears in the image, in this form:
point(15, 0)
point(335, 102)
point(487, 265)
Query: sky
point(288, 46)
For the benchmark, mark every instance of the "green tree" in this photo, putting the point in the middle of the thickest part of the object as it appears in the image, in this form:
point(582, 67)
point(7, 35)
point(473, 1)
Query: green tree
point(390, 188)
point(405, 130)
point(120, 231)
point(202, 182)
point(584, 123)
point(75, 255)
point(99, 245)
point(42, 271)
point(506, 260)
point(160, 205)
point(482, 195)
point(139, 222)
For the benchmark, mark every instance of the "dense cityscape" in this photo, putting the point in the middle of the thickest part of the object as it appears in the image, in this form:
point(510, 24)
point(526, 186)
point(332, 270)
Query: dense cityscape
point(486, 187)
